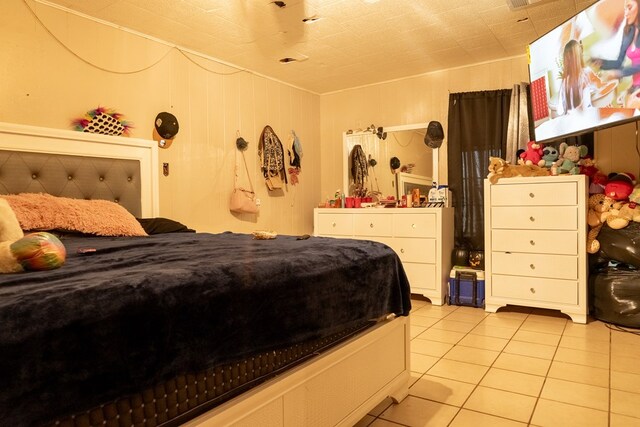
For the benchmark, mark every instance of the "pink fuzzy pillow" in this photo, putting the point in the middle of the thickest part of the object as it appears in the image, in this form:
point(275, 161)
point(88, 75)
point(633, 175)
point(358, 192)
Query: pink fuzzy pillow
point(39, 211)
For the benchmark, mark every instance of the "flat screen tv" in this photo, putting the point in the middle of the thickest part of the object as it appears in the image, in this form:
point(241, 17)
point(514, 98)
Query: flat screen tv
point(585, 74)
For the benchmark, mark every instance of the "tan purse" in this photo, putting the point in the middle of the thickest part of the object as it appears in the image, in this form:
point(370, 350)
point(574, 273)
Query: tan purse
point(242, 200)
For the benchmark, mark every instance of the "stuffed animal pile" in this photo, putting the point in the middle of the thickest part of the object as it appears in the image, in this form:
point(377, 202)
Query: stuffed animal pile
point(499, 168)
point(614, 212)
point(614, 199)
point(35, 251)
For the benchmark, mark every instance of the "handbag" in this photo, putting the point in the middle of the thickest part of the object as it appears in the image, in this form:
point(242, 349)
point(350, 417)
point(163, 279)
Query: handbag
point(242, 200)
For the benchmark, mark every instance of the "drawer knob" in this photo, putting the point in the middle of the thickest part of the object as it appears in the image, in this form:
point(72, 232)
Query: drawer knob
point(333, 224)
point(371, 225)
point(532, 219)
point(401, 250)
point(413, 226)
point(532, 195)
point(533, 243)
point(533, 291)
point(533, 267)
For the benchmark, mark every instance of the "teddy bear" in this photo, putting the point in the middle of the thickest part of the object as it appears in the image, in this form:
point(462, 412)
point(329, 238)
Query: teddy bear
point(600, 207)
point(623, 214)
point(569, 159)
point(619, 186)
point(500, 168)
point(35, 251)
point(532, 155)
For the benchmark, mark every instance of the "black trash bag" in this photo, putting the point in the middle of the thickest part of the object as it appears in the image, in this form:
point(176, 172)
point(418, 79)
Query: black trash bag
point(618, 245)
point(615, 296)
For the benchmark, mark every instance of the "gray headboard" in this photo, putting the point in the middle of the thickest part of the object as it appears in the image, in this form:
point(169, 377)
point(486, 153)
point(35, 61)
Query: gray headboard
point(78, 177)
point(80, 165)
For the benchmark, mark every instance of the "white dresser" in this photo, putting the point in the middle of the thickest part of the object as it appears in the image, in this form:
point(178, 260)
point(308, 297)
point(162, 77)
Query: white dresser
point(422, 238)
point(535, 244)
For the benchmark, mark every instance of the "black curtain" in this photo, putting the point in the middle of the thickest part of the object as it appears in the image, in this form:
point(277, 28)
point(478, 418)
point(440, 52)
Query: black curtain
point(477, 130)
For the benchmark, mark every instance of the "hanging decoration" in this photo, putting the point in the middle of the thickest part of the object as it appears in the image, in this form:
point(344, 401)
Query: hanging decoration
point(294, 150)
point(105, 121)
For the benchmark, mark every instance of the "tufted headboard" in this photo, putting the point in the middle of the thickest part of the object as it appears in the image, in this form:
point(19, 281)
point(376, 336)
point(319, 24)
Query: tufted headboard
point(80, 165)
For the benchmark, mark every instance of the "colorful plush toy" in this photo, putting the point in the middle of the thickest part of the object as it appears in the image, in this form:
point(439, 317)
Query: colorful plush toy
point(532, 155)
point(35, 251)
point(550, 156)
point(619, 186)
point(500, 168)
point(569, 159)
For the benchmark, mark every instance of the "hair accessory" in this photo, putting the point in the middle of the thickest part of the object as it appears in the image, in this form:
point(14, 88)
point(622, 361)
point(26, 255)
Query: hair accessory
point(105, 121)
point(241, 143)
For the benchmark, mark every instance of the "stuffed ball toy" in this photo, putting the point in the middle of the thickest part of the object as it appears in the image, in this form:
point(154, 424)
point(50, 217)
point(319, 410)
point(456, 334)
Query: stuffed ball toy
point(35, 251)
point(619, 186)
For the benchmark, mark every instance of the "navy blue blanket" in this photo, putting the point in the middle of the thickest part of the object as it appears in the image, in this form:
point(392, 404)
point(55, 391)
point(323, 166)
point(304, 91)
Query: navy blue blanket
point(138, 311)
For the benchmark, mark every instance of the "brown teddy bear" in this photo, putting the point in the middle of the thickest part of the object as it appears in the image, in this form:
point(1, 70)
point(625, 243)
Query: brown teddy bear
point(500, 168)
point(600, 207)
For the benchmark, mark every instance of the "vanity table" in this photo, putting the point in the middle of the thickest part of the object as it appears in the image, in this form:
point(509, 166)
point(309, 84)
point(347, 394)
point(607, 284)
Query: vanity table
point(422, 238)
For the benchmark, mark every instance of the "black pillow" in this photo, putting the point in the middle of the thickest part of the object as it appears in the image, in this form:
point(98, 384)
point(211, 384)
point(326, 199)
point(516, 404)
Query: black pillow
point(163, 225)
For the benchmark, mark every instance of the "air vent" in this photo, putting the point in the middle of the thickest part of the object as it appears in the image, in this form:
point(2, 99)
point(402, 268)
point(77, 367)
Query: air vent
point(521, 4)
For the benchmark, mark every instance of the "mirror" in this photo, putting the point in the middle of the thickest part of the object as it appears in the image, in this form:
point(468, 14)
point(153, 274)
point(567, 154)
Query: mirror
point(404, 142)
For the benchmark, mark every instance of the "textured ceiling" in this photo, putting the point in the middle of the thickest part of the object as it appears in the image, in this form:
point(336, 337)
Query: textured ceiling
point(356, 42)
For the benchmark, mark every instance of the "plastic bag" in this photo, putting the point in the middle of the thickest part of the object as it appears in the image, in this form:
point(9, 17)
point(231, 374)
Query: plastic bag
point(621, 245)
point(615, 295)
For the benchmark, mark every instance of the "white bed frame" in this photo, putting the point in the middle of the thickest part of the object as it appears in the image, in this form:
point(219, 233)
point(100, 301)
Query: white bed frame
point(336, 388)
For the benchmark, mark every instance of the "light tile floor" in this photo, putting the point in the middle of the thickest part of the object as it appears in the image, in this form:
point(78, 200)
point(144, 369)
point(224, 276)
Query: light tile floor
point(518, 367)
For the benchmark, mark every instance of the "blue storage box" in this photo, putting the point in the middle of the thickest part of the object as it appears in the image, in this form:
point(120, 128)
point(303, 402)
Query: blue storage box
point(466, 287)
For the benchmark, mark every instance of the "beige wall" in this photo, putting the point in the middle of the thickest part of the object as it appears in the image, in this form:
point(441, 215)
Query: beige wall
point(418, 99)
point(45, 84)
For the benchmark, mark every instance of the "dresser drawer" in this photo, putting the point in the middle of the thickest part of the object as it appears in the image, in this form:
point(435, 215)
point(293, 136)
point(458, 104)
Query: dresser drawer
point(535, 217)
point(415, 250)
point(380, 239)
point(534, 289)
point(414, 225)
point(334, 224)
point(421, 276)
point(535, 241)
point(535, 265)
point(538, 194)
point(372, 224)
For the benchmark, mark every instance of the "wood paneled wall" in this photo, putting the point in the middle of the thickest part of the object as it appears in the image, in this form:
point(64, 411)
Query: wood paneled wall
point(48, 82)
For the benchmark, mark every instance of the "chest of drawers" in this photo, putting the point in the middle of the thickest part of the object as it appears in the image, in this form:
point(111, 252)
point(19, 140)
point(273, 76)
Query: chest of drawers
point(535, 244)
point(422, 238)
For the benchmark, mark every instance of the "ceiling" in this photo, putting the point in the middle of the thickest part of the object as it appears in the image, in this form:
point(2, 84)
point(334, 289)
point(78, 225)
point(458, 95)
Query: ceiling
point(356, 42)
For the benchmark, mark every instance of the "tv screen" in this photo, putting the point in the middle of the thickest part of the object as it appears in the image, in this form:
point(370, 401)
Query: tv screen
point(585, 74)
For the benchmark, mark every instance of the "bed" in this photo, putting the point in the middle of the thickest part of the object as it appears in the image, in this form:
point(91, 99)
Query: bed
point(136, 331)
